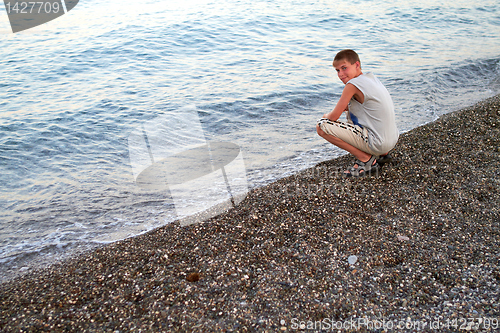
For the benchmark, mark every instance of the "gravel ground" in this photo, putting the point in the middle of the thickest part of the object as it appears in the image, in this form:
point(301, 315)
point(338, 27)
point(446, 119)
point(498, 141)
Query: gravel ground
point(416, 245)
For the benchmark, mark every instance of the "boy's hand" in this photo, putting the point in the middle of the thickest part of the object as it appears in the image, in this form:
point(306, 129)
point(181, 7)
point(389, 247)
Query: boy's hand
point(329, 113)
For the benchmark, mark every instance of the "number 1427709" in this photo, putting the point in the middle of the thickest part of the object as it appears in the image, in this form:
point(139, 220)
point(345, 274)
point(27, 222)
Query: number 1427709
point(32, 7)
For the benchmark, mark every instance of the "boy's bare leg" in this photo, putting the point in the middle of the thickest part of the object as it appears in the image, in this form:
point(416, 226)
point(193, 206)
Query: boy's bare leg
point(359, 154)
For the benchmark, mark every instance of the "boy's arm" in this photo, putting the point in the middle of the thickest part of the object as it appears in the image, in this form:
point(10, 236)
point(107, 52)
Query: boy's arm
point(349, 91)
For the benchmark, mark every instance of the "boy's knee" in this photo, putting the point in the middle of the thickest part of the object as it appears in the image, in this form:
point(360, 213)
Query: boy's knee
point(319, 130)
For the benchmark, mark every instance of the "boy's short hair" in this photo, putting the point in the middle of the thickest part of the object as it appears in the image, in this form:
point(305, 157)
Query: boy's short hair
point(347, 55)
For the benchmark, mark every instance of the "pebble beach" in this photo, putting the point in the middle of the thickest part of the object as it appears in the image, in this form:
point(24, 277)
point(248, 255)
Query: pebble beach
point(414, 248)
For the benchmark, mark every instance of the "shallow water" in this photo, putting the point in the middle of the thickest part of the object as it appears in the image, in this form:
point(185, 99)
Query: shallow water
point(256, 74)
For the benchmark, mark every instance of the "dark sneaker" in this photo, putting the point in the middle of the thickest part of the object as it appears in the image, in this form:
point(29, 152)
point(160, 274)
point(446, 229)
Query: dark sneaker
point(384, 160)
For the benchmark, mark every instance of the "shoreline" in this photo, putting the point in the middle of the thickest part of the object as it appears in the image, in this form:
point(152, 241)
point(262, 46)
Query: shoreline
point(425, 235)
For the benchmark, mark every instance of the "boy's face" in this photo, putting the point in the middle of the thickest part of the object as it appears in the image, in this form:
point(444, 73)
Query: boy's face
point(346, 70)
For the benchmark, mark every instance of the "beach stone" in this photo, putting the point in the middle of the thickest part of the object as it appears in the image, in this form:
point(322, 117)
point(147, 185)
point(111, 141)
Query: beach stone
point(193, 277)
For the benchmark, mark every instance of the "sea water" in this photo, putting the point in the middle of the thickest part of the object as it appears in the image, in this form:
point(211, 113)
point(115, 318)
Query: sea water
point(255, 74)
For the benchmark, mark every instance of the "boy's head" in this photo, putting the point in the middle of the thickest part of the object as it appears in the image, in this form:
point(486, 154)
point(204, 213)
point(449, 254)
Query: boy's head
point(347, 65)
point(348, 55)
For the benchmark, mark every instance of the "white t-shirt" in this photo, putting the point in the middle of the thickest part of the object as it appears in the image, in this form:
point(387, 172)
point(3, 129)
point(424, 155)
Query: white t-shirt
point(376, 114)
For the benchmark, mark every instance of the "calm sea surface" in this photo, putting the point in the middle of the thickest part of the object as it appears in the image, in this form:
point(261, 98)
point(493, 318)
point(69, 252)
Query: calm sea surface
point(257, 73)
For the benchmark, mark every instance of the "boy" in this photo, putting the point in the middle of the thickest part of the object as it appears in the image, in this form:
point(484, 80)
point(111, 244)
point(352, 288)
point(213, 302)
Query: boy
point(371, 129)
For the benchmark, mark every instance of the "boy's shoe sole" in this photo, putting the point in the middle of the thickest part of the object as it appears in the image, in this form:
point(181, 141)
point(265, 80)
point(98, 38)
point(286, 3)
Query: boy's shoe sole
point(364, 168)
point(373, 172)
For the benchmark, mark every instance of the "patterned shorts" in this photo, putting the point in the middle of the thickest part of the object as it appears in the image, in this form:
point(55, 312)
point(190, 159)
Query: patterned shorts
point(352, 134)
